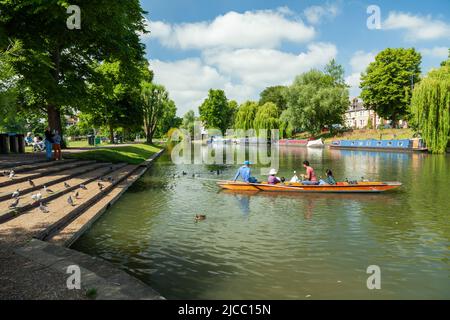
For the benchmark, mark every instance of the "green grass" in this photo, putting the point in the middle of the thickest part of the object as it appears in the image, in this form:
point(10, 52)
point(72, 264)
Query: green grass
point(78, 144)
point(134, 154)
point(362, 134)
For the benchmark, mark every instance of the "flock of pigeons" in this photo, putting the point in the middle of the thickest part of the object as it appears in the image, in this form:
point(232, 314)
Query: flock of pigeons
point(38, 196)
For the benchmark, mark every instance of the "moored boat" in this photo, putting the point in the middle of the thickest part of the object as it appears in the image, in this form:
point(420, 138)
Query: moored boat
point(340, 187)
point(403, 145)
point(315, 143)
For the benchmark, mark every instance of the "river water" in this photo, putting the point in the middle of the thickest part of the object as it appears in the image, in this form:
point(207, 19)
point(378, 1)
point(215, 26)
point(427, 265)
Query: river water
point(284, 246)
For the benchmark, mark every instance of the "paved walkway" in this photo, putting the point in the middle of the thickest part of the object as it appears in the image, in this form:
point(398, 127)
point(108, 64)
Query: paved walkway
point(35, 269)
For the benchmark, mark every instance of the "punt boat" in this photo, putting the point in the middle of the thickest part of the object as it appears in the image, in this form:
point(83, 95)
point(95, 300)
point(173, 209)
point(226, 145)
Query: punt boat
point(340, 187)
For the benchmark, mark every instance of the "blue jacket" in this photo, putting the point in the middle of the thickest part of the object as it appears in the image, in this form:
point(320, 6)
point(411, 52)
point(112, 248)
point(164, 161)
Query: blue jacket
point(244, 172)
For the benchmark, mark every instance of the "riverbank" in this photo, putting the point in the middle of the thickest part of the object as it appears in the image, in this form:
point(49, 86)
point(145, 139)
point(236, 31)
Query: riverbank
point(362, 134)
point(34, 268)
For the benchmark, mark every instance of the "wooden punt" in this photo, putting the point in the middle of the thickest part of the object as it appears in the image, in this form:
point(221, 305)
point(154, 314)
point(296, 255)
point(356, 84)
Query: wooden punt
point(340, 187)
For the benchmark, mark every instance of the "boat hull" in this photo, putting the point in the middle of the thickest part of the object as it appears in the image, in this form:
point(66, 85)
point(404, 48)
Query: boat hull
point(341, 187)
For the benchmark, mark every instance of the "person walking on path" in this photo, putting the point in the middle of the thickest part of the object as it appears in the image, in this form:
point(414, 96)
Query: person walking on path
point(48, 143)
point(57, 146)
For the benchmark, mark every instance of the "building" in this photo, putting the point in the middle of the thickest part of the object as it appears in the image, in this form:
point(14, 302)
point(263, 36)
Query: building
point(357, 116)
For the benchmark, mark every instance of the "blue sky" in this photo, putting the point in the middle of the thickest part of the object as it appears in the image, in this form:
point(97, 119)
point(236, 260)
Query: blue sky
point(244, 46)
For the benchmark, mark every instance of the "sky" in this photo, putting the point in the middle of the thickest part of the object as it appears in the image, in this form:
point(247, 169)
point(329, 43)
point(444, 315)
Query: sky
point(244, 46)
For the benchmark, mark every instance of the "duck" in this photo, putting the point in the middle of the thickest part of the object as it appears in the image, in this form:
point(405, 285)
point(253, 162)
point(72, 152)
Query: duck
point(199, 217)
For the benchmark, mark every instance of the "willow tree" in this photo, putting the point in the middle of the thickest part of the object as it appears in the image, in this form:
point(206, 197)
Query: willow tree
point(267, 118)
point(245, 115)
point(430, 108)
point(287, 125)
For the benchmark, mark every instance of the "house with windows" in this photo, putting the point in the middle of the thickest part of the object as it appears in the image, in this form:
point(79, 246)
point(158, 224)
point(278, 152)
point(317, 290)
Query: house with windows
point(358, 117)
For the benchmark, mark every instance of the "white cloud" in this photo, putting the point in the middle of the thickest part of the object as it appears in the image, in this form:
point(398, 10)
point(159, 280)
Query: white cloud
point(251, 29)
point(417, 27)
point(315, 14)
point(263, 67)
point(242, 73)
point(436, 52)
point(358, 62)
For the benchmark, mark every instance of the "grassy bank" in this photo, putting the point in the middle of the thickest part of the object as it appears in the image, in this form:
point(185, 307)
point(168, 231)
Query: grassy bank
point(133, 154)
point(384, 134)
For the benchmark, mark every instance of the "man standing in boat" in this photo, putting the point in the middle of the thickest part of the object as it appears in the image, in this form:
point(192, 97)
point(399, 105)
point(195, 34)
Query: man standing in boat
point(245, 173)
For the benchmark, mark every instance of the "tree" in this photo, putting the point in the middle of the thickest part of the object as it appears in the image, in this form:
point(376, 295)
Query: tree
point(266, 118)
point(155, 100)
point(188, 122)
point(430, 108)
point(336, 72)
point(215, 111)
point(287, 125)
point(114, 96)
point(56, 62)
point(232, 110)
point(316, 101)
point(169, 119)
point(387, 83)
point(245, 115)
point(276, 94)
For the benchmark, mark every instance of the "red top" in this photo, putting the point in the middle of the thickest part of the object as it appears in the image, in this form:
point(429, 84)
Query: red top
point(310, 175)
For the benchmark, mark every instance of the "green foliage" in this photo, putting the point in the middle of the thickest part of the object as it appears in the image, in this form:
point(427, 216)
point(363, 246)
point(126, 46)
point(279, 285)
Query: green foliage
point(266, 118)
point(276, 94)
point(245, 115)
point(56, 64)
point(317, 101)
point(188, 122)
point(287, 125)
point(155, 105)
point(386, 84)
point(335, 71)
point(168, 119)
point(430, 108)
point(215, 111)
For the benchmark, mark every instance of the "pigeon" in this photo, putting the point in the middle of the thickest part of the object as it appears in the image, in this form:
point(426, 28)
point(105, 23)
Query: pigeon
point(66, 185)
point(77, 194)
point(109, 179)
point(43, 208)
point(15, 194)
point(70, 201)
point(14, 203)
point(82, 186)
point(31, 183)
point(184, 173)
point(100, 186)
point(12, 174)
point(36, 197)
point(48, 190)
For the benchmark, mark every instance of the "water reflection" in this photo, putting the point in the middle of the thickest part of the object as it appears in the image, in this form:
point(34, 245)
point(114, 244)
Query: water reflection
point(267, 245)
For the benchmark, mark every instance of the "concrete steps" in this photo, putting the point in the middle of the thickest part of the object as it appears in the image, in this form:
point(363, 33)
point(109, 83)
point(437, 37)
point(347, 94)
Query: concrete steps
point(69, 233)
point(59, 190)
point(48, 180)
point(37, 165)
point(58, 166)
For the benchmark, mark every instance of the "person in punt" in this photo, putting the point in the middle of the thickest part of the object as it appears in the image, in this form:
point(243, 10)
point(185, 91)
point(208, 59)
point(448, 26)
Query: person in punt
point(329, 179)
point(245, 173)
point(273, 179)
point(310, 177)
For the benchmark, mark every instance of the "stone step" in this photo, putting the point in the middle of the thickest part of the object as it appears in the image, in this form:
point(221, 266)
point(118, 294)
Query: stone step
point(5, 181)
point(34, 166)
point(11, 163)
point(35, 223)
point(67, 235)
point(59, 190)
point(25, 187)
point(91, 200)
point(109, 282)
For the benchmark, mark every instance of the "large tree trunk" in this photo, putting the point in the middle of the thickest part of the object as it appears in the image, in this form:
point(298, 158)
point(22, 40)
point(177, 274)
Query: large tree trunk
point(149, 135)
point(54, 120)
point(111, 134)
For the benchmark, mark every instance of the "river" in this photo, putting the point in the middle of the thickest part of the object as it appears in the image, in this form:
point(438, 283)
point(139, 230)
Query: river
point(278, 246)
